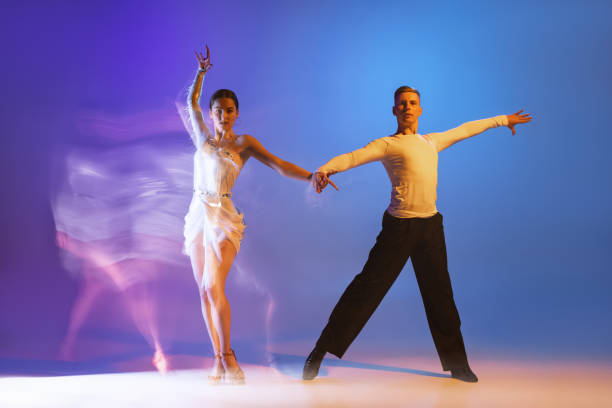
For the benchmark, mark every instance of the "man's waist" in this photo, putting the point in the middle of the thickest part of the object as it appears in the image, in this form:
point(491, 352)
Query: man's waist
point(405, 210)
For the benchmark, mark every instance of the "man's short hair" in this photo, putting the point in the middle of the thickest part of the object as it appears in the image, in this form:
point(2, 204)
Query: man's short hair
point(403, 89)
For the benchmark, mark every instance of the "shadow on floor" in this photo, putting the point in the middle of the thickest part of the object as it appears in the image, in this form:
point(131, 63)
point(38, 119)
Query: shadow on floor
point(288, 364)
point(292, 365)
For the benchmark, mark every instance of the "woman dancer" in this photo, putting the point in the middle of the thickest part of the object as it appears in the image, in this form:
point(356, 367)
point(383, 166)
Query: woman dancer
point(213, 226)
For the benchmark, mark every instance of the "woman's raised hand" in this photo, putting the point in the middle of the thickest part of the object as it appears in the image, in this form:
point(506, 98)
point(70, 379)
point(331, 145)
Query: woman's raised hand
point(204, 61)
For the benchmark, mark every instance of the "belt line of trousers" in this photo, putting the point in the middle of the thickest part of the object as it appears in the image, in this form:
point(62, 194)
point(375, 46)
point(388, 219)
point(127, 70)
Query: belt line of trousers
point(421, 240)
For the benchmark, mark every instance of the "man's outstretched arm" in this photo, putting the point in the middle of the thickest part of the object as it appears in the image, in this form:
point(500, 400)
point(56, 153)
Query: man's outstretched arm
point(373, 151)
point(446, 139)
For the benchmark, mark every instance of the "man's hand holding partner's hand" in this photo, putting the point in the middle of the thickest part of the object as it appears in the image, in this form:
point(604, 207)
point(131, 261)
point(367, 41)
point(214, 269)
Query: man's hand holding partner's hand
point(320, 181)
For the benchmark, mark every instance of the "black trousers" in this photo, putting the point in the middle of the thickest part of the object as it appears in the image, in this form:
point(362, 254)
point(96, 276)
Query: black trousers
point(422, 240)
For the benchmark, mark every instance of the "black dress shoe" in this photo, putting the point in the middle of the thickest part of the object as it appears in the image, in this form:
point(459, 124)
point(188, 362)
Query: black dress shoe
point(464, 374)
point(312, 364)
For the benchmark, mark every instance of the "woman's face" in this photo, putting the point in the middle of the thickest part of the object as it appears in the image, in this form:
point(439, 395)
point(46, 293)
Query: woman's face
point(224, 114)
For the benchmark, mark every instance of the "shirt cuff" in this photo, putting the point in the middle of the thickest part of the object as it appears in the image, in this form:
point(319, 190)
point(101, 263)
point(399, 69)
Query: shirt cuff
point(501, 120)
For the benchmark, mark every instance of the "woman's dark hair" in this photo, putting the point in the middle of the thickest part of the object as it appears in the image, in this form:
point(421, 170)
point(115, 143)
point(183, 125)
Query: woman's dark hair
point(223, 93)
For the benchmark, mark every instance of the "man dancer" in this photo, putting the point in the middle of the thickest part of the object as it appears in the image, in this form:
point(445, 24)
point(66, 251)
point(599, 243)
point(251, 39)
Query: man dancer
point(411, 228)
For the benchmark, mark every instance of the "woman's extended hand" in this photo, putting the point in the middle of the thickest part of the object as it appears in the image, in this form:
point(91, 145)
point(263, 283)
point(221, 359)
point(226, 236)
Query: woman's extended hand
point(204, 61)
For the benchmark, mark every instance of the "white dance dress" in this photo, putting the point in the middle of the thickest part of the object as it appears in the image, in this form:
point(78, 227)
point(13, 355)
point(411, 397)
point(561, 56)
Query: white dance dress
point(211, 210)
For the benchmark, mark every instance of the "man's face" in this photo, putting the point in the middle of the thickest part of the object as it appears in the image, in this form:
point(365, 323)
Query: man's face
point(407, 108)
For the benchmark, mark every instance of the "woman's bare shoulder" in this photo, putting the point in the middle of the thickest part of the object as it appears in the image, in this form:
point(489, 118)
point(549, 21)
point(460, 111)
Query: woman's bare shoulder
point(245, 138)
point(245, 141)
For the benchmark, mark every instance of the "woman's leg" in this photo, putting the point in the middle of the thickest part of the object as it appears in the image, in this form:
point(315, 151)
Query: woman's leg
point(215, 274)
point(89, 291)
point(142, 304)
point(198, 257)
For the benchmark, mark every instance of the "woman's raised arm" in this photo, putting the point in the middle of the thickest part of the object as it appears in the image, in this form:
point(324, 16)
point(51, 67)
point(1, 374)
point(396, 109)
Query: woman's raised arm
point(200, 130)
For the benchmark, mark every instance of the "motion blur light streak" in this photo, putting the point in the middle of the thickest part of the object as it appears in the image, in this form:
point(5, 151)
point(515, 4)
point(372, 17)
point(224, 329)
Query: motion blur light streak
point(124, 128)
point(159, 360)
point(118, 213)
point(249, 279)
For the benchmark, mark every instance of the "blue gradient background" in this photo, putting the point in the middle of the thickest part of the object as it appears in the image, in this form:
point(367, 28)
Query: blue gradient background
point(526, 217)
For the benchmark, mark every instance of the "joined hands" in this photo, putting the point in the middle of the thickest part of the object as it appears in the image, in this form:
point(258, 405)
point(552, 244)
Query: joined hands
point(320, 180)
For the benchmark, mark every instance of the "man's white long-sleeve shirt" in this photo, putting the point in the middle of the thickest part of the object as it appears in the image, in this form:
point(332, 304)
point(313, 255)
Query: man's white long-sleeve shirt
point(411, 162)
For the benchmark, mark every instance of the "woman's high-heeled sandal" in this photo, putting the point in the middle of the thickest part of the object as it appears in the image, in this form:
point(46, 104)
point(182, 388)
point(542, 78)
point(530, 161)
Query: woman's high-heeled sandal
point(218, 367)
point(233, 376)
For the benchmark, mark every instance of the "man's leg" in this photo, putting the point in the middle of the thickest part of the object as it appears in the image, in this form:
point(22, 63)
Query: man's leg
point(430, 266)
point(364, 294)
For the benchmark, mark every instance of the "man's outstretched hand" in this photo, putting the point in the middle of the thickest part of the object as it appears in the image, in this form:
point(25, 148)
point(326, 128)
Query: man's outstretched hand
point(517, 118)
point(320, 180)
